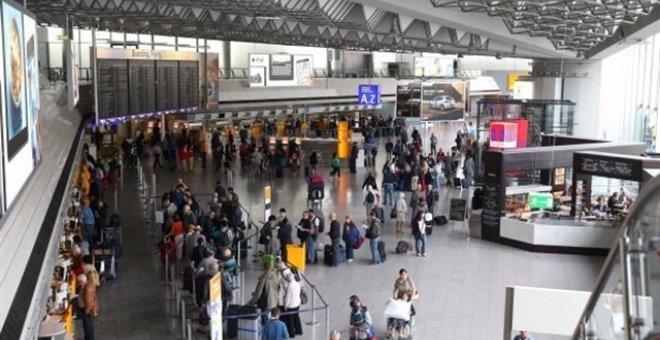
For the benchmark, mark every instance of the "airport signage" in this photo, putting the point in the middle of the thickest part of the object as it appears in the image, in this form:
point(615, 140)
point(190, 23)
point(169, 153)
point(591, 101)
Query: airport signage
point(369, 94)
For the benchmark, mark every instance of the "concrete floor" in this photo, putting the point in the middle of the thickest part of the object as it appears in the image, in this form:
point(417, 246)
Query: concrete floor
point(462, 281)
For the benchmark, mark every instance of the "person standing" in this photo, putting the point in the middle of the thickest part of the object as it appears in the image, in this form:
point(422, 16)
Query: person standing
point(335, 237)
point(389, 147)
point(419, 232)
point(275, 329)
point(284, 233)
point(292, 304)
point(306, 235)
point(434, 143)
point(354, 156)
point(468, 171)
point(360, 320)
point(265, 295)
point(88, 305)
point(388, 186)
point(158, 153)
point(349, 234)
point(401, 211)
point(89, 223)
point(373, 234)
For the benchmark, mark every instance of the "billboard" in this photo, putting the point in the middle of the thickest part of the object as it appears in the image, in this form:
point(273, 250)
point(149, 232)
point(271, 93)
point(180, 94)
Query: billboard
point(408, 99)
point(212, 80)
point(434, 67)
point(279, 70)
point(443, 100)
point(19, 89)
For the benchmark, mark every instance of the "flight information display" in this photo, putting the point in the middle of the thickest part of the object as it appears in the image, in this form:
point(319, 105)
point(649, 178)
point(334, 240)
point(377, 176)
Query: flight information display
point(188, 84)
point(142, 86)
point(112, 88)
point(167, 85)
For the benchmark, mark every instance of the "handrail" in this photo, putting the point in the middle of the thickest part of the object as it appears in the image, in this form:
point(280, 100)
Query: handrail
point(650, 189)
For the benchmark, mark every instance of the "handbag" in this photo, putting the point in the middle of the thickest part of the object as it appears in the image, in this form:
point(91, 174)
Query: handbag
point(303, 296)
point(393, 213)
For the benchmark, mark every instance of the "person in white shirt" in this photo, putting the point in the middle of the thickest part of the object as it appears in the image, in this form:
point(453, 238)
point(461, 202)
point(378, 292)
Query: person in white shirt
point(401, 210)
point(292, 304)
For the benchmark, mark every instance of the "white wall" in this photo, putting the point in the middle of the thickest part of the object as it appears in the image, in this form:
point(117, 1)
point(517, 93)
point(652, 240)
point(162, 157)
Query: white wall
point(241, 50)
point(586, 93)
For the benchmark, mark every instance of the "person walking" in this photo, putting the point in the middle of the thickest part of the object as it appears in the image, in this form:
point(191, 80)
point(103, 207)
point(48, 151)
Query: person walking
point(373, 234)
point(401, 211)
point(419, 232)
point(265, 295)
point(335, 163)
point(354, 156)
point(349, 235)
point(88, 305)
point(361, 323)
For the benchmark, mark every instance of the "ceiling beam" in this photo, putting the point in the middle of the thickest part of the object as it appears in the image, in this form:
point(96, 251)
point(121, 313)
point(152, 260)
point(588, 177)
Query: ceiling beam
point(644, 27)
point(476, 23)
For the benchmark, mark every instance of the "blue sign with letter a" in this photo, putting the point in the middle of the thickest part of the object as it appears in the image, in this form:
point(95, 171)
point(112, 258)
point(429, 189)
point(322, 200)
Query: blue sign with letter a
point(369, 94)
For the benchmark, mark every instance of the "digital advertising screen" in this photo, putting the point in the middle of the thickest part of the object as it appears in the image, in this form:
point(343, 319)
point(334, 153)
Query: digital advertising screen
point(443, 101)
point(32, 76)
point(281, 67)
point(15, 115)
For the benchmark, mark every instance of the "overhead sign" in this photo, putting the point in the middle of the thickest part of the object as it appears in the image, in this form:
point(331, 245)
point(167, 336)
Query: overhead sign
point(369, 94)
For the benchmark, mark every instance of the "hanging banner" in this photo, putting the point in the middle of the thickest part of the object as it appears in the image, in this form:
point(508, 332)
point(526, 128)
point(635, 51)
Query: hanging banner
point(214, 307)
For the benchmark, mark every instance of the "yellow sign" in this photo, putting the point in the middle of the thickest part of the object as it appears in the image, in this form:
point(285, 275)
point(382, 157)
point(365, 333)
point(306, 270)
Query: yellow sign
point(215, 288)
point(512, 78)
point(267, 193)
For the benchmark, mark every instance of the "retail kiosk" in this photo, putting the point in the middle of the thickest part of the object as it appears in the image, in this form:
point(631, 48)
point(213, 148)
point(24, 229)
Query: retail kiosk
point(526, 206)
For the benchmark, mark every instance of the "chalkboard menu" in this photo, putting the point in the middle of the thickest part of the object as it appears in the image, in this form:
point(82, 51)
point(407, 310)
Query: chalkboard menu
point(167, 87)
point(490, 214)
point(457, 209)
point(188, 84)
point(112, 88)
point(608, 167)
point(142, 86)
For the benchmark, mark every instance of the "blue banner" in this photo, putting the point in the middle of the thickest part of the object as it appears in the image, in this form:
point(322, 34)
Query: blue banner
point(369, 94)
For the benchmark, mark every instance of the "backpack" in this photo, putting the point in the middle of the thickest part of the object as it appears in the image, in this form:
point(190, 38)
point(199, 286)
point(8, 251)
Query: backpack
point(370, 198)
point(225, 238)
point(353, 236)
point(321, 224)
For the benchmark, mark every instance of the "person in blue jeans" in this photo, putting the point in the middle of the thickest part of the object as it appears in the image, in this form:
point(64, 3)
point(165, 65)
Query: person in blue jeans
point(307, 235)
point(373, 234)
point(89, 223)
point(419, 232)
point(388, 186)
point(350, 234)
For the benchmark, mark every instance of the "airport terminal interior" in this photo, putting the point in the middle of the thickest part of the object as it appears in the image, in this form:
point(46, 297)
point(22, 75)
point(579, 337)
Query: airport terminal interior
point(330, 169)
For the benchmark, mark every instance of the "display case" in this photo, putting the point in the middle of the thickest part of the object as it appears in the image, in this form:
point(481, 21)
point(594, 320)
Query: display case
point(543, 116)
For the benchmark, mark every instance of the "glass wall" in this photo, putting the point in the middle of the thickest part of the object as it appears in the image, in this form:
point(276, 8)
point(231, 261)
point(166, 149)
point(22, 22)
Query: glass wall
point(631, 94)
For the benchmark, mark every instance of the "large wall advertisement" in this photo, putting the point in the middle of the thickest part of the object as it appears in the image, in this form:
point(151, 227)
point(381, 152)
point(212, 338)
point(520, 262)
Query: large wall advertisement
point(19, 92)
point(443, 100)
point(280, 70)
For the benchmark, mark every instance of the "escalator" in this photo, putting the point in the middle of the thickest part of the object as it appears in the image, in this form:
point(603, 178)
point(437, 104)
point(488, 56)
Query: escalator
point(625, 303)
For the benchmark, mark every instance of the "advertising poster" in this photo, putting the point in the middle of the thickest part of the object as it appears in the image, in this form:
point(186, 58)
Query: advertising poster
point(212, 80)
point(15, 116)
point(71, 73)
point(434, 67)
point(280, 70)
point(408, 100)
point(32, 75)
point(443, 101)
point(214, 307)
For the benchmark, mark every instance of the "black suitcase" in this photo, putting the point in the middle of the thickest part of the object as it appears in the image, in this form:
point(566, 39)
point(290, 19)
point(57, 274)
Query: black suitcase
point(440, 220)
point(380, 213)
point(381, 251)
point(457, 182)
point(188, 273)
point(328, 255)
point(232, 323)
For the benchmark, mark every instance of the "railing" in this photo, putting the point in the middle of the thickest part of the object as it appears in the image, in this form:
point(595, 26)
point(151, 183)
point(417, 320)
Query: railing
point(625, 301)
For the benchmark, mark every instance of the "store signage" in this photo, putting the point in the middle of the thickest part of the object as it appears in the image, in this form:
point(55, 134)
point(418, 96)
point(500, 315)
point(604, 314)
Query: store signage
point(369, 94)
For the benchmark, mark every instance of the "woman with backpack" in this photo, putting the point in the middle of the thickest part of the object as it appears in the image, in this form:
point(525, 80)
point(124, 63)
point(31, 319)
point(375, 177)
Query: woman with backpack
point(351, 236)
point(361, 322)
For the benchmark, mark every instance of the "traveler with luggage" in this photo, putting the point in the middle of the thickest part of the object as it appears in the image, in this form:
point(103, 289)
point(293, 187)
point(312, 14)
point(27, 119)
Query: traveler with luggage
point(266, 293)
point(420, 234)
point(361, 323)
point(370, 198)
point(87, 304)
point(373, 235)
point(335, 237)
point(351, 236)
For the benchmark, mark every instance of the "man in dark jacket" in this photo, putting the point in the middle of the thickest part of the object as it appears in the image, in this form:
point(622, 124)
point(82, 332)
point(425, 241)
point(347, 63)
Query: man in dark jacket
point(354, 155)
point(389, 146)
point(335, 236)
point(284, 233)
point(373, 234)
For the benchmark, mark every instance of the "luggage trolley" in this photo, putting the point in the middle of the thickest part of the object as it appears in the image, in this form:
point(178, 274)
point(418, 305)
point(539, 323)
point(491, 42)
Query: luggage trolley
point(400, 319)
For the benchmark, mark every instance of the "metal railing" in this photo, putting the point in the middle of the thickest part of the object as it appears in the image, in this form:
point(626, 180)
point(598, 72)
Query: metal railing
point(623, 304)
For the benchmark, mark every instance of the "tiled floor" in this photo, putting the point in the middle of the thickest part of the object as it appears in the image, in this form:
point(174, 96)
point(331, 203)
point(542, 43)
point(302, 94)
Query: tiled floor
point(462, 281)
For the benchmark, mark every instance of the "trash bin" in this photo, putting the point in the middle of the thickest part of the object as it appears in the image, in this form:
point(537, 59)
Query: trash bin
point(249, 325)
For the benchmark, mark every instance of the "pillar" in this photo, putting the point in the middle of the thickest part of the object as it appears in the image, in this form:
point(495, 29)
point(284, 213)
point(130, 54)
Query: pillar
point(343, 140)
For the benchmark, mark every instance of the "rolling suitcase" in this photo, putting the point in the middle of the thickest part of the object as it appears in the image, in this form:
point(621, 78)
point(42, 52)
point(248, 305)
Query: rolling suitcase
point(341, 256)
point(380, 213)
point(381, 251)
point(328, 255)
point(232, 323)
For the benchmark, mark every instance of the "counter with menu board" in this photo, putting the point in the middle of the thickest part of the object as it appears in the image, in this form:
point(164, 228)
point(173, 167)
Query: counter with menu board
point(137, 82)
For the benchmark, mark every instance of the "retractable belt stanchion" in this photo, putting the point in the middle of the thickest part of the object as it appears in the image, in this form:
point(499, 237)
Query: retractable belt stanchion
point(313, 322)
point(188, 330)
point(183, 319)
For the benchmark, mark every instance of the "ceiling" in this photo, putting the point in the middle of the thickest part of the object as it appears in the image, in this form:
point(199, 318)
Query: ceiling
point(378, 25)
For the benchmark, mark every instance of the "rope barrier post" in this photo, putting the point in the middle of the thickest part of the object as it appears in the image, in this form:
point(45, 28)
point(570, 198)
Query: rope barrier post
point(183, 319)
point(173, 279)
point(327, 320)
point(153, 185)
point(313, 322)
point(189, 329)
point(178, 302)
point(167, 268)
